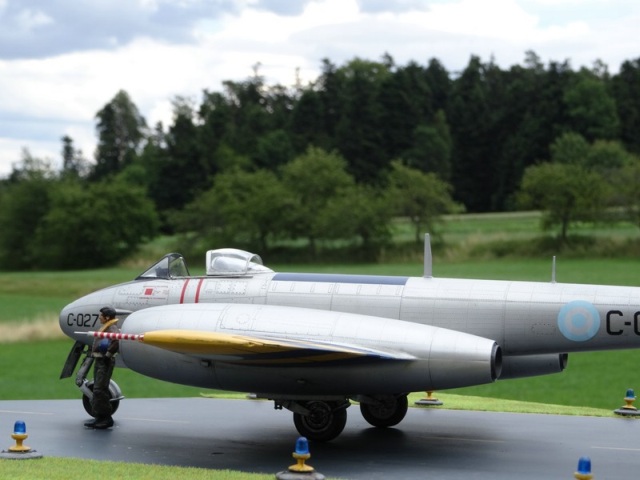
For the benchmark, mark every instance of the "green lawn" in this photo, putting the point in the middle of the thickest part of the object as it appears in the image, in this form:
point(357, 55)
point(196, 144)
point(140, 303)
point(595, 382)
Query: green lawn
point(597, 379)
point(50, 468)
point(36, 375)
point(593, 384)
point(592, 379)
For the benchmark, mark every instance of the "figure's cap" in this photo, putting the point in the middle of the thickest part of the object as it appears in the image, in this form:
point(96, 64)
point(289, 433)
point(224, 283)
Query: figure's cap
point(108, 312)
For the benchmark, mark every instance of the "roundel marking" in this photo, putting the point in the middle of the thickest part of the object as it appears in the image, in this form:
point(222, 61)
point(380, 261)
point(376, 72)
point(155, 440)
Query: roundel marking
point(578, 321)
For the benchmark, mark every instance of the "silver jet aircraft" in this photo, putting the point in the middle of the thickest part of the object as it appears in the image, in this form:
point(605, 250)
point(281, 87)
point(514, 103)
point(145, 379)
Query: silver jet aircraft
point(313, 342)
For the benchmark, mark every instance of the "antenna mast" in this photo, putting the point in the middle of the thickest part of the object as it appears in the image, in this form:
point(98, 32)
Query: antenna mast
point(428, 260)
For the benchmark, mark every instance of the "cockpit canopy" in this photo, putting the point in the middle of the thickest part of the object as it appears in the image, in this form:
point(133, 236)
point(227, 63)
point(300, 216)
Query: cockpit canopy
point(220, 262)
point(231, 261)
point(172, 265)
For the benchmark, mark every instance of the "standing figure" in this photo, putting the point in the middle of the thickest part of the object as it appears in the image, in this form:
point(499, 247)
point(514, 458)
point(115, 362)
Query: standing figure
point(103, 352)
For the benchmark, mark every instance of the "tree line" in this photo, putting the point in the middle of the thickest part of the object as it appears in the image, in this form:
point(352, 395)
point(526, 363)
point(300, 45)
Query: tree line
point(334, 160)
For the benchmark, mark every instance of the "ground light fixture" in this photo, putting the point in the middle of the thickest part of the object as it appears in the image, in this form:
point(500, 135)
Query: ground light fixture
point(300, 470)
point(19, 450)
point(584, 469)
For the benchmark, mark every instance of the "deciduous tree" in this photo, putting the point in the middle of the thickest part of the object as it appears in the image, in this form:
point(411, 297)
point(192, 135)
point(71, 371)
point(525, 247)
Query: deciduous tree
point(358, 212)
point(241, 208)
point(24, 201)
point(566, 193)
point(627, 190)
point(313, 179)
point(421, 197)
point(93, 226)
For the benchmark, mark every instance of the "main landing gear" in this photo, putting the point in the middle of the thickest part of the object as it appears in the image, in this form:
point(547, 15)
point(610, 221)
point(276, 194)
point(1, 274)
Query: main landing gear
point(384, 410)
point(324, 420)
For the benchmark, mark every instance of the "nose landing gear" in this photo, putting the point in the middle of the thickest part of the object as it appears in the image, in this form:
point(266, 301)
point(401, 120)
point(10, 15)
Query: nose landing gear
point(86, 386)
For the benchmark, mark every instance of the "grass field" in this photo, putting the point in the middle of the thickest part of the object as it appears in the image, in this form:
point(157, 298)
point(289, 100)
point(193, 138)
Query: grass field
point(50, 468)
point(597, 379)
point(593, 384)
point(32, 300)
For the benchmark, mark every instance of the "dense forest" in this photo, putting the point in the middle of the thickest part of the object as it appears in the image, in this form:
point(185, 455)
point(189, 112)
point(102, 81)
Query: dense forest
point(335, 159)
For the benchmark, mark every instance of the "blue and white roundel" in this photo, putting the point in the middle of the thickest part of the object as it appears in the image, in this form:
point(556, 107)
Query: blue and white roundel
point(578, 321)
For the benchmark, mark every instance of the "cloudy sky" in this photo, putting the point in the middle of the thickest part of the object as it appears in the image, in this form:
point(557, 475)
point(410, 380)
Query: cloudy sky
point(62, 60)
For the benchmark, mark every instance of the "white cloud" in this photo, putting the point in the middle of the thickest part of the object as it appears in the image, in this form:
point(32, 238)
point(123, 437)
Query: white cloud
point(497, 19)
point(161, 49)
point(28, 20)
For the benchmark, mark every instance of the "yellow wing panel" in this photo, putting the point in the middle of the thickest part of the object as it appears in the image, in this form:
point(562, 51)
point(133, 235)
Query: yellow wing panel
point(256, 350)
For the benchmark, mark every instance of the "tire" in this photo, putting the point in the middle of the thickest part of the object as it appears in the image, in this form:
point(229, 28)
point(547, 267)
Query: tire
point(388, 413)
point(86, 402)
point(325, 422)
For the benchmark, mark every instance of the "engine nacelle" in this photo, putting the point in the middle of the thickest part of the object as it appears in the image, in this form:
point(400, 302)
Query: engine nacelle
point(532, 365)
point(391, 355)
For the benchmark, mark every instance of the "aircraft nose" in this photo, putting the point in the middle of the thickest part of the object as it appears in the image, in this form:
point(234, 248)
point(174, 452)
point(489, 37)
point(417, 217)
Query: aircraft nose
point(65, 321)
point(78, 317)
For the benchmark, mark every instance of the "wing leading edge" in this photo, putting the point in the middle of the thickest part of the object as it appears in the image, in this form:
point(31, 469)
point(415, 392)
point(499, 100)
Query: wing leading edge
point(235, 348)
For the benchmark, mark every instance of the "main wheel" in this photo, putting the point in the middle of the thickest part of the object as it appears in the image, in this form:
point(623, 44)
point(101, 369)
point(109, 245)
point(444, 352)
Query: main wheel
point(325, 421)
point(86, 401)
point(389, 410)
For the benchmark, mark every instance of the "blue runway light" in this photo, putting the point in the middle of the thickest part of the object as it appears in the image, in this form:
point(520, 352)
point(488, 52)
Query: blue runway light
point(20, 435)
point(19, 428)
point(302, 446)
point(301, 455)
point(628, 410)
point(584, 466)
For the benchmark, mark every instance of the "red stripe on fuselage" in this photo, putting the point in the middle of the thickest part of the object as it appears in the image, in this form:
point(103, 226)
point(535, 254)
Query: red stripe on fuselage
point(198, 289)
point(184, 289)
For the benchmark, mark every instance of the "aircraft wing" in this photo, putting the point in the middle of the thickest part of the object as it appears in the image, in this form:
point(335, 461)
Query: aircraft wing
point(254, 350)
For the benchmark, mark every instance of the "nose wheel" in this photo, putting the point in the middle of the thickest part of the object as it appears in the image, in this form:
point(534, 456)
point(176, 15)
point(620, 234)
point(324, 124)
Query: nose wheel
point(115, 395)
point(324, 422)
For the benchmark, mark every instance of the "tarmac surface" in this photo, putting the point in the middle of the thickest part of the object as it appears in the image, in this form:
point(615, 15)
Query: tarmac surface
point(248, 435)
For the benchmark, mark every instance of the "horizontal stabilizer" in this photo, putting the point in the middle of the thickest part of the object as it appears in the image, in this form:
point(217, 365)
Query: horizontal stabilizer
point(251, 349)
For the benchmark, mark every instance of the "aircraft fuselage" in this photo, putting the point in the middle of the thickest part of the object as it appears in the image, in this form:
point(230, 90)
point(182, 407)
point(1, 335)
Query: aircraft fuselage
point(524, 318)
point(311, 342)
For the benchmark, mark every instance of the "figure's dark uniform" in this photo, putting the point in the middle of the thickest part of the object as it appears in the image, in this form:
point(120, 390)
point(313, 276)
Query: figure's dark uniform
point(103, 368)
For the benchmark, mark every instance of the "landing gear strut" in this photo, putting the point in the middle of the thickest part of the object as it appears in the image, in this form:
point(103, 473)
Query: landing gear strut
point(86, 387)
